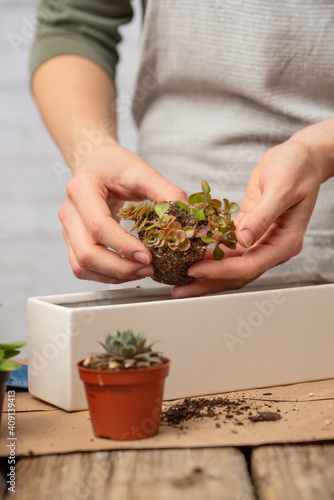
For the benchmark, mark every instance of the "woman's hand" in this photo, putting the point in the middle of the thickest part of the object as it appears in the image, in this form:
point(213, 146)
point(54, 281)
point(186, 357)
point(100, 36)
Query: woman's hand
point(277, 207)
point(75, 97)
point(98, 247)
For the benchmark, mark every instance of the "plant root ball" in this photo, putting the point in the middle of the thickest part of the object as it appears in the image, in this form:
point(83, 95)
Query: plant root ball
point(171, 267)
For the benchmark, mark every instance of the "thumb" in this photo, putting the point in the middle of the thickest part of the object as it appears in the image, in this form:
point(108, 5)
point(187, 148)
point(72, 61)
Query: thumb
point(160, 189)
point(255, 223)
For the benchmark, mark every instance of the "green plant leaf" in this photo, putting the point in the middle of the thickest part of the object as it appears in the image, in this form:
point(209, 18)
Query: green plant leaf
point(136, 225)
point(218, 253)
point(142, 210)
point(206, 188)
point(190, 231)
point(8, 365)
point(229, 244)
point(10, 354)
point(161, 208)
point(139, 228)
point(206, 239)
point(196, 198)
point(198, 213)
point(149, 227)
point(128, 350)
point(12, 345)
point(233, 207)
point(201, 231)
point(182, 205)
point(216, 203)
point(141, 355)
point(148, 210)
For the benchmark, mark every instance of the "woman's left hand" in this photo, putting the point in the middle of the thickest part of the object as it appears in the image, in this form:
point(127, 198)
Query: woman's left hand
point(275, 212)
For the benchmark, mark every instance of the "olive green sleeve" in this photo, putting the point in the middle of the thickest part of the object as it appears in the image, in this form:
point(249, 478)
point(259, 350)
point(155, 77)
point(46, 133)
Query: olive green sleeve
point(87, 28)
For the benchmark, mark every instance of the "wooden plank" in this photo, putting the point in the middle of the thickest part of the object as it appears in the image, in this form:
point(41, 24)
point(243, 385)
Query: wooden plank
point(3, 479)
point(196, 474)
point(303, 472)
point(3, 486)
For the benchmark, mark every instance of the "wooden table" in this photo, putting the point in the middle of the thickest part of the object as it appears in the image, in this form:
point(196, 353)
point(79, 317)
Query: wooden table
point(271, 472)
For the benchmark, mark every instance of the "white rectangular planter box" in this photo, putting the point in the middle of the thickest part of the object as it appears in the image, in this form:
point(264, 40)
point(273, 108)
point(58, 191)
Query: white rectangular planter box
point(266, 334)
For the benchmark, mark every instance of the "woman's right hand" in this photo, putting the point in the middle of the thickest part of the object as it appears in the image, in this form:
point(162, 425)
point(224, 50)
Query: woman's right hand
point(99, 248)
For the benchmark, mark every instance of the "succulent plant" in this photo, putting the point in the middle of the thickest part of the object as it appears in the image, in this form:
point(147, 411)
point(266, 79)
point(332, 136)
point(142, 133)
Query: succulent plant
point(8, 351)
point(154, 238)
point(123, 351)
point(175, 237)
point(212, 223)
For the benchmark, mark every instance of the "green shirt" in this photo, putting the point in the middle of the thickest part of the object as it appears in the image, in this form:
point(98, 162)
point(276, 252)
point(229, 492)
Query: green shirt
point(87, 28)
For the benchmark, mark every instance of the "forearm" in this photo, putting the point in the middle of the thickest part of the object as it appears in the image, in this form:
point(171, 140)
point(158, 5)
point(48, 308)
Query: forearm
point(77, 101)
point(319, 139)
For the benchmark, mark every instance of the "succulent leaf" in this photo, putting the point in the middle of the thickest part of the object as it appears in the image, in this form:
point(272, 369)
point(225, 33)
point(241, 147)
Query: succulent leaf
point(199, 214)
point(12, 345)
point(196, 198)
point(218, 253)
point(190, 231)
point(149, 208)
point(128, 350)
point(174, 225)
point(216, 203)
point(233, 207)
point(141, 226)
point(229, 244)
point(8, 365)
point(183, 206)
point(201, 231)
point(206, 239)
point(10, 354)
point(205, 188)
point(161, 208)
point(184, 245)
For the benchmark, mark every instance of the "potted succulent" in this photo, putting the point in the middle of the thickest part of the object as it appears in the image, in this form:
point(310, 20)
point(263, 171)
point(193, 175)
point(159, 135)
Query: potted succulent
point(178, 234)
point(124, 387)
point(7, 366)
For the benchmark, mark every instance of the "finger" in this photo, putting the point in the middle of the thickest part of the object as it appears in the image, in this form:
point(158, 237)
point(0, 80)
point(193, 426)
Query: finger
point(81, 273)
point(256, 222)
point(93, 257)
point(144, 182)
point(283, 179)
point(157, 188)
point(202, 286)
point(279, 245)
point(228, 252)
point(90, 201)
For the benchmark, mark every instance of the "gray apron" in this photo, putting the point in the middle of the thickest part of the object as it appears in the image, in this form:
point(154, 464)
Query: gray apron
point(220, 82)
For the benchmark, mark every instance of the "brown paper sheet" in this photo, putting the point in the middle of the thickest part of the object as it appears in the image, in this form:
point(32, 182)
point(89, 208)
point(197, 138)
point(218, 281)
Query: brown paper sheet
point(307, 412)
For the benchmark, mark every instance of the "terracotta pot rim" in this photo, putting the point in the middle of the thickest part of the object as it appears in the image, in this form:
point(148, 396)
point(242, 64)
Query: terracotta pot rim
point(126, 371)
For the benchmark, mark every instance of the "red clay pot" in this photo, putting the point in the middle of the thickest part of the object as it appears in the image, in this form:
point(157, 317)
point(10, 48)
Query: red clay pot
point(125, 404)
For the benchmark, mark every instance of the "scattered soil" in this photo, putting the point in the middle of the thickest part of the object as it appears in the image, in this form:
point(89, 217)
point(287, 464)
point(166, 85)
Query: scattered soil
point(217, 408)
point(265, 416)
point(171, 267)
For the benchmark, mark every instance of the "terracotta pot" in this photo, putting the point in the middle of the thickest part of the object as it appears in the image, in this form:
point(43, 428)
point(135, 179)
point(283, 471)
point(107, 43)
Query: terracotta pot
point(4, 377)
point(125, 404)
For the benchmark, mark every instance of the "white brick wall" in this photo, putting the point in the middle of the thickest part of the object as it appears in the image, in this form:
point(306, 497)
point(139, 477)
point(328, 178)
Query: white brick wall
point(33, 255)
